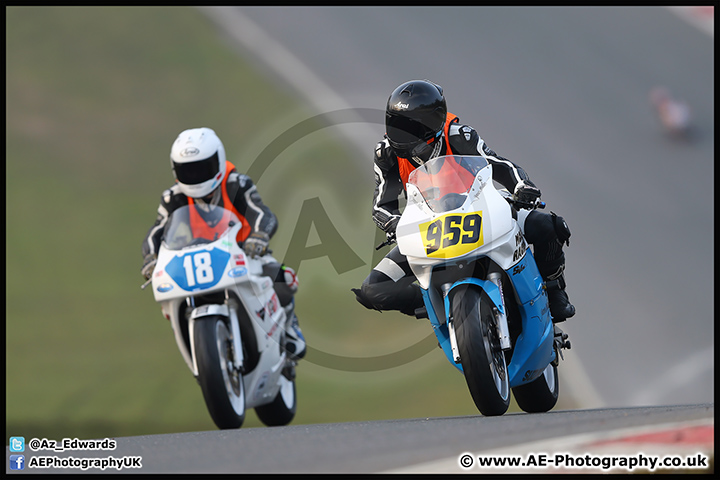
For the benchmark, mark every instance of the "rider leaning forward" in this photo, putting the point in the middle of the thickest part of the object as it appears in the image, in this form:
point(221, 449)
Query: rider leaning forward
point(204, 179)
point(419, 128)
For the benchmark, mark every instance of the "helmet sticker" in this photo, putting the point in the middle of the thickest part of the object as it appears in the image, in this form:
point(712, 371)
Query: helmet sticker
point(189, 152)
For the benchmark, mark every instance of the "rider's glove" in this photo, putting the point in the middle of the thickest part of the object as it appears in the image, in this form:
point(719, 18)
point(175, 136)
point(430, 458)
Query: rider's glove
point(389, 228)
point(525, 195)
point(256, 245)
point(148, 265)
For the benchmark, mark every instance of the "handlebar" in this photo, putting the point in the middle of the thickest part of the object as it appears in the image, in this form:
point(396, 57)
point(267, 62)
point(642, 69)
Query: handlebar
point(387, 242)
point(538, 204)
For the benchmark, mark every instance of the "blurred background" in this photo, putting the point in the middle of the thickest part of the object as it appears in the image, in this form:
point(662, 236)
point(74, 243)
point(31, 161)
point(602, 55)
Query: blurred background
point(96, 95)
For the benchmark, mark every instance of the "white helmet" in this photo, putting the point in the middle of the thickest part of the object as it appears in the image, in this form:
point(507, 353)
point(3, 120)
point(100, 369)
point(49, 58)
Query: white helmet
point(198, 161)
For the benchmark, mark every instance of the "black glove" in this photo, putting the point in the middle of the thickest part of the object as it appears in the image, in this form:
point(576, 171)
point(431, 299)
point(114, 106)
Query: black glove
point(390, 227)
point(148, 265)
point(256, 245)
point(526, 195)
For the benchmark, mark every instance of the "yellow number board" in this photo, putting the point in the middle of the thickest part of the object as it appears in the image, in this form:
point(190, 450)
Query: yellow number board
point(452, 235)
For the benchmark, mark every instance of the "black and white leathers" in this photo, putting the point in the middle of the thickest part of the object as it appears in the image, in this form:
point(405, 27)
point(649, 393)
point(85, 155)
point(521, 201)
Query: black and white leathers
point(240, 189)
point(390, 284)
point(463, 140)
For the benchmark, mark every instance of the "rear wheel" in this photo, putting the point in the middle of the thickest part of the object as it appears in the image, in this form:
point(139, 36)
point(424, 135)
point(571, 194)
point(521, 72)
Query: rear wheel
point(541, 394)
point(482, 359)
point(222, 385)
point(282, 409)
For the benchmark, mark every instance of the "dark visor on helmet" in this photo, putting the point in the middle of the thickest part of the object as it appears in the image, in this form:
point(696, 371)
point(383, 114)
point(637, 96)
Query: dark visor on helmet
point(406, 133)
point(194, 173)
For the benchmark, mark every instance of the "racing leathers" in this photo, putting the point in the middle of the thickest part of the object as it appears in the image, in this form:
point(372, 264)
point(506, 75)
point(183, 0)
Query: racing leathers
point(237, 193)
point(390, 285)
point(237, 189)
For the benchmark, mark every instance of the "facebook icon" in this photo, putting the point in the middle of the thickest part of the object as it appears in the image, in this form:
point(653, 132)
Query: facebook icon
point(17, 462)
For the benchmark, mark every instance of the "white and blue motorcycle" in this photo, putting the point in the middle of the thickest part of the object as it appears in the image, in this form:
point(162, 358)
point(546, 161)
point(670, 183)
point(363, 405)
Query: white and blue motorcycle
point(483, 293)
point(227, 319)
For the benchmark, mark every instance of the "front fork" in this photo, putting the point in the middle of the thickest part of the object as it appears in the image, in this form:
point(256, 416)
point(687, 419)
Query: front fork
point(229, 311)
point(239, 360)
point(500, 316)
point(503, 331)
point(451, 327)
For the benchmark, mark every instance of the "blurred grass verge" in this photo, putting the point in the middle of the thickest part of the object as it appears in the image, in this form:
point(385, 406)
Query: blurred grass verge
point(95, 97)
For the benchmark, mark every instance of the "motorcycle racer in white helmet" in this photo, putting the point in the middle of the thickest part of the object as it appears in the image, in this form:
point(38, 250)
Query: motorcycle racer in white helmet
point(198, 162)
point(205, 179)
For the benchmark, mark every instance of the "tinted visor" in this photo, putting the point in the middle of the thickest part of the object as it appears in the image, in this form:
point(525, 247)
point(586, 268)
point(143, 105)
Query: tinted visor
point(404, 133)
point(194, 173)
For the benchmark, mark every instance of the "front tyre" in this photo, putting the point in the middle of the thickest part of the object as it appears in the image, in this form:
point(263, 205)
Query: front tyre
point(221, 385)
point(541, 394)
point(482, 359)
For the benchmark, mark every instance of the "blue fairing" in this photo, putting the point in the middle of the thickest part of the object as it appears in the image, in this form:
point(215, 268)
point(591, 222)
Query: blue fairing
point(533, 349)
point(441, 330)
point(526, 278)
point(534, 346)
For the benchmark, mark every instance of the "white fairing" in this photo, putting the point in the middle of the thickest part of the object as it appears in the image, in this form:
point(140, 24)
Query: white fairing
point(417, 231)
point(217, 266)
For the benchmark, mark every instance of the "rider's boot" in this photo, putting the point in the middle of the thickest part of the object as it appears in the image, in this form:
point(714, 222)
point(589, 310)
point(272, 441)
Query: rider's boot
point(560, 306)
point(380, 296)
point(294, 339)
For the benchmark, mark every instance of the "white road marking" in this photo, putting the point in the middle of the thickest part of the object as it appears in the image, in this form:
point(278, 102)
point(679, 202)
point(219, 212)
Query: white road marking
point(288, 67)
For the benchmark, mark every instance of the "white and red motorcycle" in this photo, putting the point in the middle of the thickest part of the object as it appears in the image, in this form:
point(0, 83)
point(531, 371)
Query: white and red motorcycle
point(227, 319)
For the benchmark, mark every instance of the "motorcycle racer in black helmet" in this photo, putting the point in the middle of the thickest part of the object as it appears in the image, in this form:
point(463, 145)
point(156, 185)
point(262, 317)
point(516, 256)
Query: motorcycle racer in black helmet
point(419, 128)
point(414, 119)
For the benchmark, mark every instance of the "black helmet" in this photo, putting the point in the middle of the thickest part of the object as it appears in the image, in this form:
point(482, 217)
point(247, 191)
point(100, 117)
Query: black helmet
point(414, 116)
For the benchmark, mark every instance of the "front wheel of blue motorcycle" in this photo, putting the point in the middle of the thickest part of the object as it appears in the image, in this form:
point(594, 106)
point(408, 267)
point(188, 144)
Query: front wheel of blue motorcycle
point(482, 359)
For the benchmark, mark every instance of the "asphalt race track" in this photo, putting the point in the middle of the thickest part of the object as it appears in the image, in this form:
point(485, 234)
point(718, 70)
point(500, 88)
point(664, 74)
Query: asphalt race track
point(366, 447)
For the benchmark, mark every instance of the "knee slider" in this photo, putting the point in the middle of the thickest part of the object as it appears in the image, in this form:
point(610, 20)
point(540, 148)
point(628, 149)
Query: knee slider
point(284, 279)
point(543, 227)
point(290, 278)
point(539, 228)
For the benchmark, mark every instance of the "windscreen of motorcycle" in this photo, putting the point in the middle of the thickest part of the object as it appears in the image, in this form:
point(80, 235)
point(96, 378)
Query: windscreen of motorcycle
point(444, 181)
point(438, 222)
point(193, 225)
